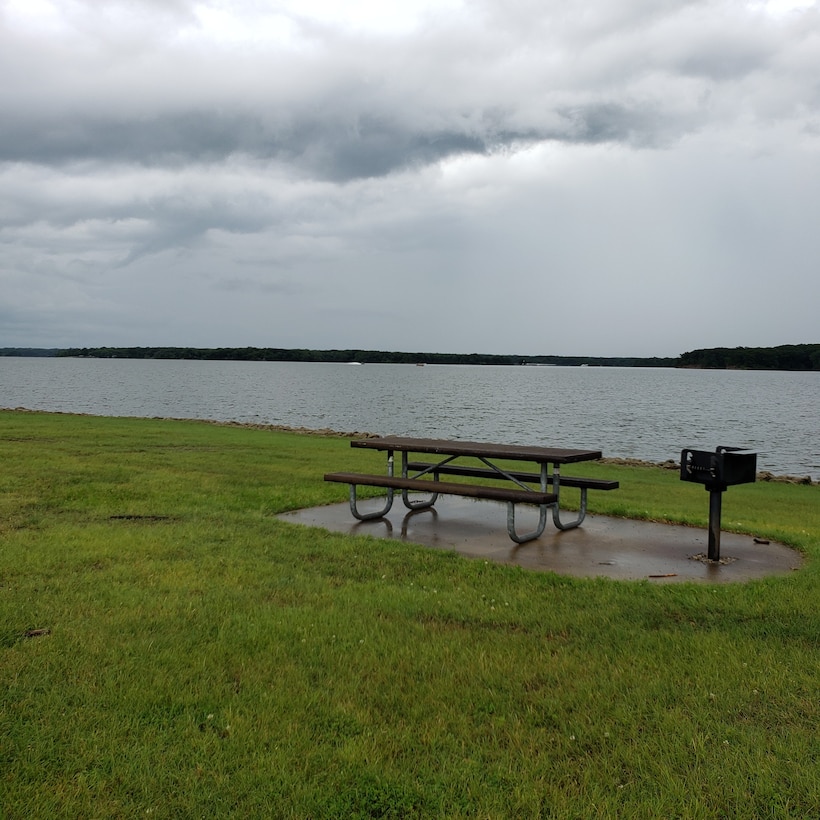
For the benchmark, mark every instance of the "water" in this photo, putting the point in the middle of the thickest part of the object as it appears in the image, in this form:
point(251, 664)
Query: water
point(645, 413)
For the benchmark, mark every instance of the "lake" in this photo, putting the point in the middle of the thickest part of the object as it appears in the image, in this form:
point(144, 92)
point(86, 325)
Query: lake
point(644, 413)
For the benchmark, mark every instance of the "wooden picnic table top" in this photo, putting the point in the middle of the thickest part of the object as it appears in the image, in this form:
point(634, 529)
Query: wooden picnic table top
point(455, 447)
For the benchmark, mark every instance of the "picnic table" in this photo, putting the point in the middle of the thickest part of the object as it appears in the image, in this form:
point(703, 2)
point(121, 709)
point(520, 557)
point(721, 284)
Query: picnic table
point(540, 486)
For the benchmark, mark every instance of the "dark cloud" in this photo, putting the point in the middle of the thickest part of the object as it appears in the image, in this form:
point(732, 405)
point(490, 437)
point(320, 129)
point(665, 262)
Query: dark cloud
point(325, 148)
point(166, 139)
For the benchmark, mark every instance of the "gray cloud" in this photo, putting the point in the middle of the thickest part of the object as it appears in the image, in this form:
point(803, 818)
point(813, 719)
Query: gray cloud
point(356, 107)
point(160, 170)
point(327, 148)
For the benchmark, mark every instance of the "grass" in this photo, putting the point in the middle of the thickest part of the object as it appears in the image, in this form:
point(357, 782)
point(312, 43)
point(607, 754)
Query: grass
point(169, 648)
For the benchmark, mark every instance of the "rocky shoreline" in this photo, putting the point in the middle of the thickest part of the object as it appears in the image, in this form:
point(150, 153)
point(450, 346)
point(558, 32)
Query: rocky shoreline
point(669, 464)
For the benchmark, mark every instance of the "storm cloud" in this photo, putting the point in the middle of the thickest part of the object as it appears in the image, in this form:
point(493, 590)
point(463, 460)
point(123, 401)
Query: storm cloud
point(624, 178)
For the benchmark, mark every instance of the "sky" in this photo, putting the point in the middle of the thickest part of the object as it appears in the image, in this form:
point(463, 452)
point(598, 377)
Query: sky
point(535, 177)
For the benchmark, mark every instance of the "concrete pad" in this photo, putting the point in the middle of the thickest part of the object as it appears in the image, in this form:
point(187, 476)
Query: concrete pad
point(617, 548)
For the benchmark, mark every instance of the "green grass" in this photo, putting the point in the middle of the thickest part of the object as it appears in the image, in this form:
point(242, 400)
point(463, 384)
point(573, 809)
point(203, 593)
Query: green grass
point(203, 658)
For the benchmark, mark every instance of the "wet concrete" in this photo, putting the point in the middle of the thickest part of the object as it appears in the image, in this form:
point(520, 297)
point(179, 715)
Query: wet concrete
point(609, 547)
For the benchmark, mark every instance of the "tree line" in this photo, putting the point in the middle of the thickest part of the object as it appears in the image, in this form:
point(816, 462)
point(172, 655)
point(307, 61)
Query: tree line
point(275, 354)
point(784, 357)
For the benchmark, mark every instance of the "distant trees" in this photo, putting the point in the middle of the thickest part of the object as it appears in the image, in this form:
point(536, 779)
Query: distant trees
point(784, 357)
point(276, 354)
point(40, 352)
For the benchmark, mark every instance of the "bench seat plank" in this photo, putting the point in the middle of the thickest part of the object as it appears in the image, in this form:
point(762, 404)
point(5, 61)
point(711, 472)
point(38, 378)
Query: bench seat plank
point(533, 478)
point(423, 485)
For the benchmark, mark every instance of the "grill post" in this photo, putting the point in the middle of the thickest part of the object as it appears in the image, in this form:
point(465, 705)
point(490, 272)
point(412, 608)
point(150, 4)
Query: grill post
point(715, 504)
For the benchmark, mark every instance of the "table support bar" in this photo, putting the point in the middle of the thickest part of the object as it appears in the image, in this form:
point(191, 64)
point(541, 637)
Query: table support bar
point(529, 536)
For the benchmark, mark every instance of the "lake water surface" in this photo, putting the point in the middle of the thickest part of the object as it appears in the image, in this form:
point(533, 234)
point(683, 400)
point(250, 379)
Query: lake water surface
point(645, 413)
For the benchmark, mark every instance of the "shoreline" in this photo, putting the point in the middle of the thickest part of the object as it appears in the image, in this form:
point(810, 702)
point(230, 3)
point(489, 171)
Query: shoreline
point(327, 432)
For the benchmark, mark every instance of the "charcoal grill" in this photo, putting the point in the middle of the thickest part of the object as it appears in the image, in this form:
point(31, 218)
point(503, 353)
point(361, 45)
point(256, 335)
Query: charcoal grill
point(717, 471)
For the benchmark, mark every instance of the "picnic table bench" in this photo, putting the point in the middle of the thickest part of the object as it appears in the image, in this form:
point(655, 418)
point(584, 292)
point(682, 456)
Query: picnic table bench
point(425, 477)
